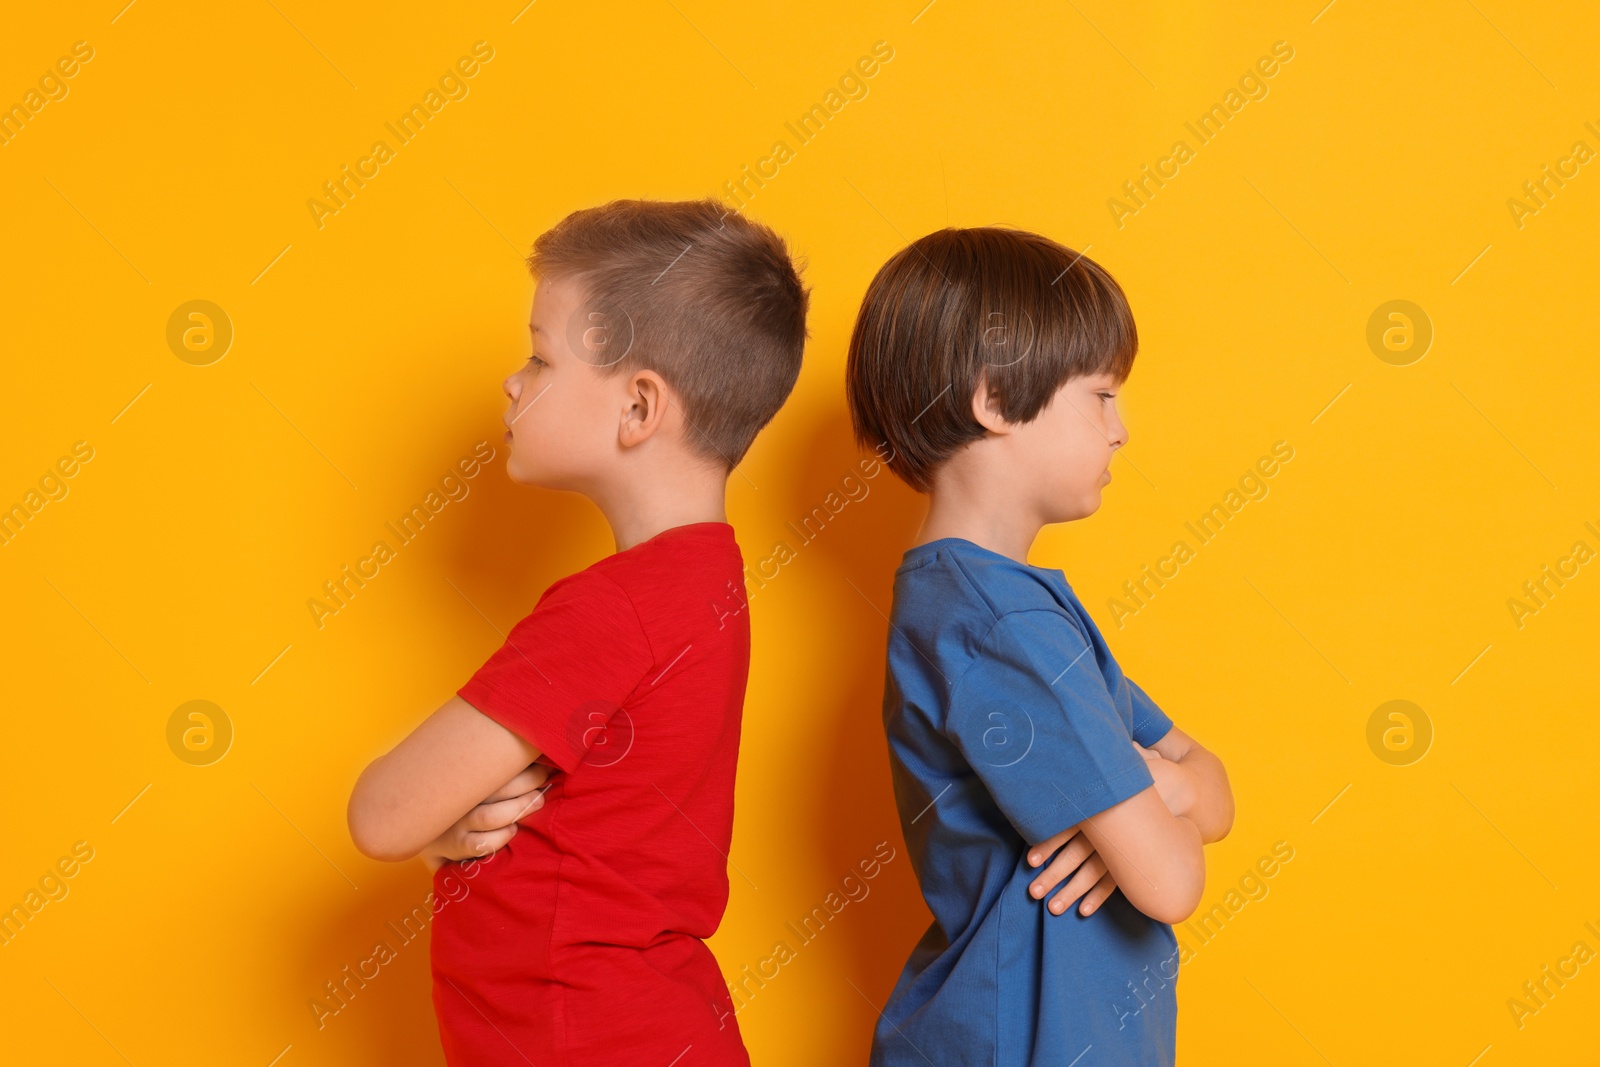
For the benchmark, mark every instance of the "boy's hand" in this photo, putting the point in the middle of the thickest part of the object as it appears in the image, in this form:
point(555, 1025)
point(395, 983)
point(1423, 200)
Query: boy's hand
point(487, 827)
point(1090, 879)
point(1174, 782)
point(1078, 856)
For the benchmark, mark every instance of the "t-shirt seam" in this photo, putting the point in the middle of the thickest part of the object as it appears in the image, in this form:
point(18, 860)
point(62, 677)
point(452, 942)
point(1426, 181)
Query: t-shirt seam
point(1073, 799)
point(1170, 727)
point(916, 564)
point(1144, 719)
point(961, 568)
point(1094, 787)
point(1030, 570)
point(550, 944)
point(1000, 903)
point(577, 580)
point(999, 615)
point(1140, 722)
point(972, 661)
point(637, 618)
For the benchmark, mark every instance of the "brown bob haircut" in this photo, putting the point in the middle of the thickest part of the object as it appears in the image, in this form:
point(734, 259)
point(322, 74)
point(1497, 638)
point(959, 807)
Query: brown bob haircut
point(695, 292)
point(962, 306)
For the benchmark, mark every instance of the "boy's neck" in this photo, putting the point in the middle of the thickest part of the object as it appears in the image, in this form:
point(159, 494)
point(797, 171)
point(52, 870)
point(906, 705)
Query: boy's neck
point(641, 508)
point(978, 503)
point(1010, 534)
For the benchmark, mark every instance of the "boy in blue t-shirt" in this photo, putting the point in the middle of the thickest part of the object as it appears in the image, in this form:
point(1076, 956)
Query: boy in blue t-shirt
point(1029, 771)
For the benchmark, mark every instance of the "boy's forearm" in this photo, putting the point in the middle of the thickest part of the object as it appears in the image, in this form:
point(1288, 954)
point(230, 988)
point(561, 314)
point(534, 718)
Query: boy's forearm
point(1156, 857)
point(439, 772)
point(383, 834)
point(1181, 873)
point(374, 825)
point(1212, 808)
point(1193, 865)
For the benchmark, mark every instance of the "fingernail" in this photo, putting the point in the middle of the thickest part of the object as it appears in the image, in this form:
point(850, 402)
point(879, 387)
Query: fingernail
point(1033, 858)
point(1036, 890)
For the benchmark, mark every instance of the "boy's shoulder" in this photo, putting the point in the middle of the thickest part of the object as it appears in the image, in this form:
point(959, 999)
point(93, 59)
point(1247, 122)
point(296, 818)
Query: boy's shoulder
point(685, 578)
point(681, 553)
point(953, 587)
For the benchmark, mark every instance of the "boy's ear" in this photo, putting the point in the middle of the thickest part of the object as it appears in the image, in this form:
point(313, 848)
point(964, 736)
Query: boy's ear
point(986, 408)
point(644, 408)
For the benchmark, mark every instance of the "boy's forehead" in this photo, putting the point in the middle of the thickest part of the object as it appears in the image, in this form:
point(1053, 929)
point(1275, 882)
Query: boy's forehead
point(540, 316)
point(1099, 380)
point(551, 298)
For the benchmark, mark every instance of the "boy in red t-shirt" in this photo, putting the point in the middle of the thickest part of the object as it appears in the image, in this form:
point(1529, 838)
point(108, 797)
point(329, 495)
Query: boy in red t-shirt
point(665, 336)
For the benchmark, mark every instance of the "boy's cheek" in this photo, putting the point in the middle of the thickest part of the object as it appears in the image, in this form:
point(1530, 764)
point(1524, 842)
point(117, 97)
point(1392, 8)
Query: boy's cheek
point(537, 456)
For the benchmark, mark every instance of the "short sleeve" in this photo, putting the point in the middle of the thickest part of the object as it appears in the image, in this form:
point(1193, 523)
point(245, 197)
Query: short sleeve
point(565, 670)
point(1150, 723)
point(1035, 721)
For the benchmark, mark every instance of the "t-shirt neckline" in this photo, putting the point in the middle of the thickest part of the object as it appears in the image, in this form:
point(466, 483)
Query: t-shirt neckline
point(915, 553)
point(705, 526)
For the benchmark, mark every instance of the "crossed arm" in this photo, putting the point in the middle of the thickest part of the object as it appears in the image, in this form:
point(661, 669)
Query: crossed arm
point(427, 796)
point(455, 787)
point(1149, 845)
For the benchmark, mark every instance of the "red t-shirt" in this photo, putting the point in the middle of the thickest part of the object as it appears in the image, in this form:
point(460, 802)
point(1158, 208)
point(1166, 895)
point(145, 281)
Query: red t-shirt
point(582, 942)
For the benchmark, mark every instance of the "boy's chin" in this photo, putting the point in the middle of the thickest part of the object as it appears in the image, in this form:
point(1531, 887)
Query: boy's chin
point(525, 474)
point(1080, 508)
point(536, 477)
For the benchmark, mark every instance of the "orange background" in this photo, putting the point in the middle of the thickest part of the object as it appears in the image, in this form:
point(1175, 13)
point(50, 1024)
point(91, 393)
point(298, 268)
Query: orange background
point(1379, 164)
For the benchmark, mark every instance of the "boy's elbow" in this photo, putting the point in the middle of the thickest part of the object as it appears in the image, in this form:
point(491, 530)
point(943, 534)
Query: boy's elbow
point(371, 834)
point(367, 837)
point(1175, 899)
point(1224, 821)
point(369, 841)
point(1182, 888)
point(1176, 907)
point(1218, 825)
point(375, 843)
point(1227, 822)
point(1173, 904)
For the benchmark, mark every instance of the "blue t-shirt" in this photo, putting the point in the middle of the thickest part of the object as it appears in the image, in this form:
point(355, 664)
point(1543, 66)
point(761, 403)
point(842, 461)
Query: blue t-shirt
point(1008, 720)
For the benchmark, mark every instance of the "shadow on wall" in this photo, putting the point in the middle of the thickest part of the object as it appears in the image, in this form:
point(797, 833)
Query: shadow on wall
point(861, 545)
point(363, 979)
point(364, 984)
